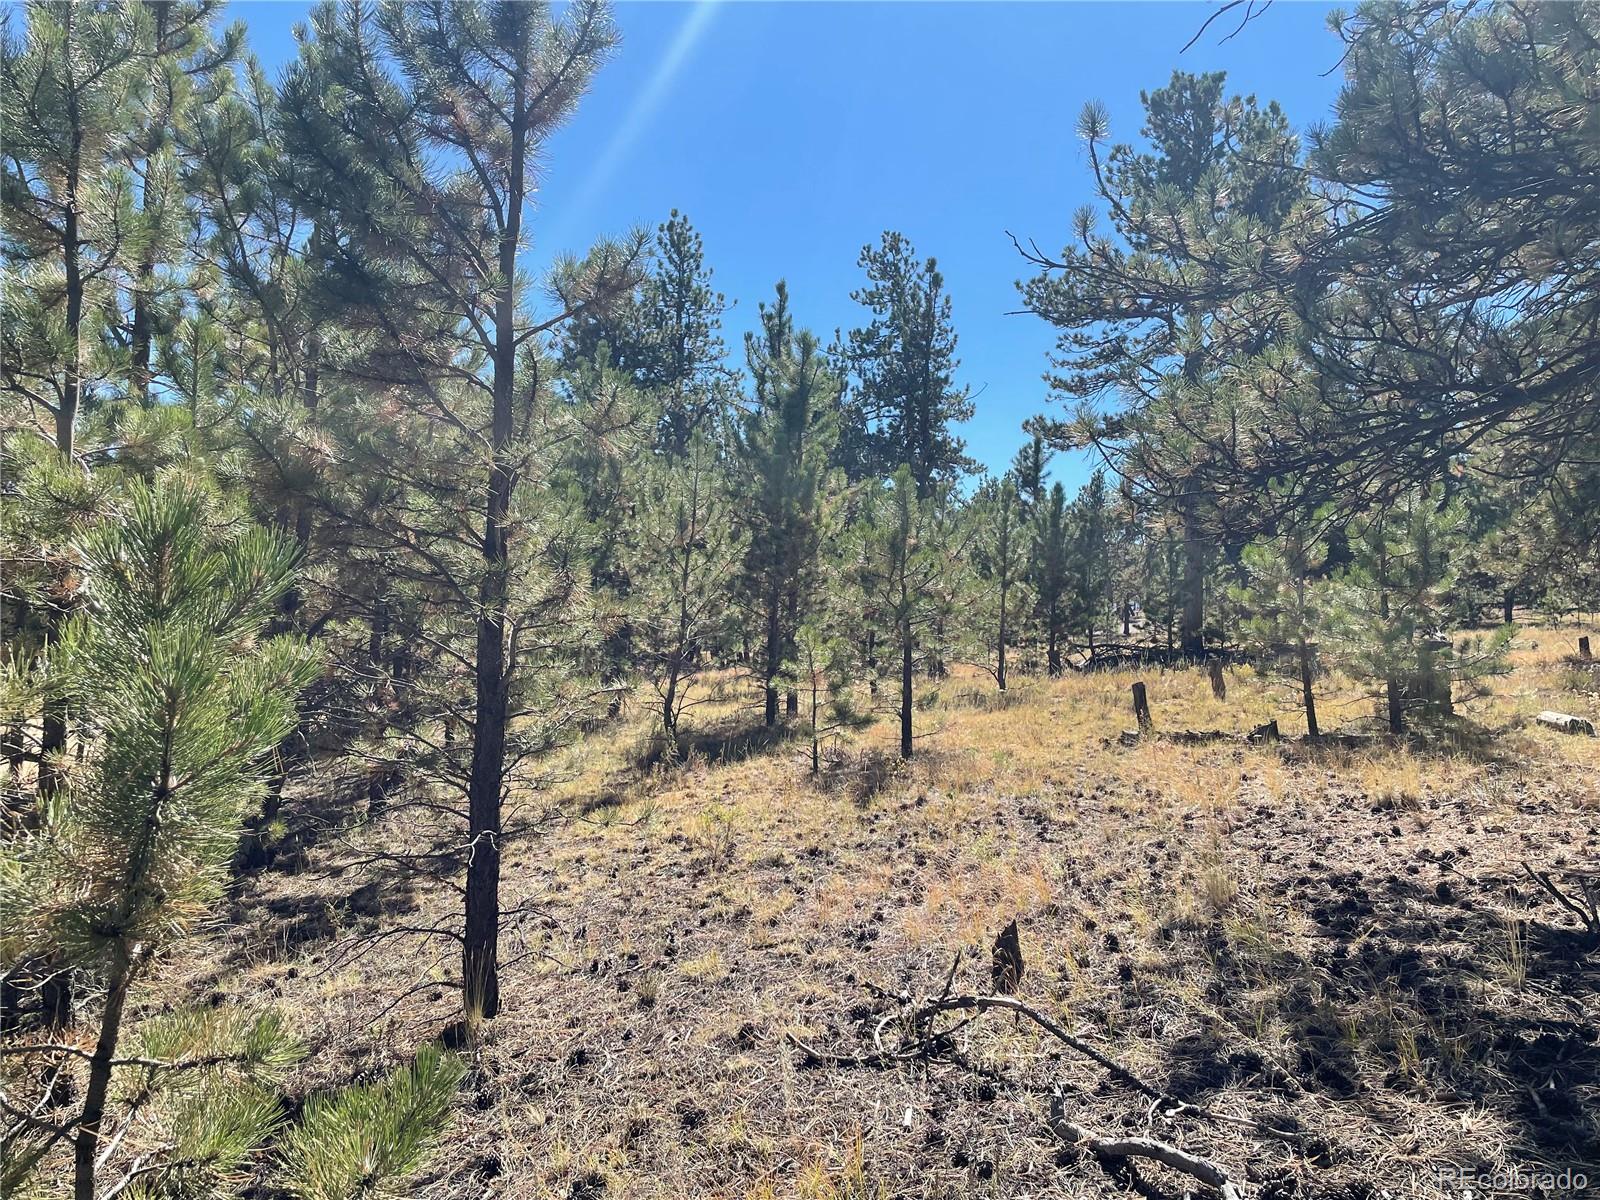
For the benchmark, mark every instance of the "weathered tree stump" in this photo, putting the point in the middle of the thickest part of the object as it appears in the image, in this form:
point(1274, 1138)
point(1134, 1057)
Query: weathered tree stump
point(1141, 707)
point(1219, 685)
point(1265, 733)
point(1583, 648)
point(1566, 722)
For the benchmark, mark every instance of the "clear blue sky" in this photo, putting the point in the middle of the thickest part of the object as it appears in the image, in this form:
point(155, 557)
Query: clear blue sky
point(794, 133)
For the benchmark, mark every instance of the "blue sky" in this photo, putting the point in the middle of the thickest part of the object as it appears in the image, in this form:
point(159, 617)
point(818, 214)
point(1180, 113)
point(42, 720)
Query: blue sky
point(794, 133)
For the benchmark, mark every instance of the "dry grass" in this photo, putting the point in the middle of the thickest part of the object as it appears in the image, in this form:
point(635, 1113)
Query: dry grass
point(1336, 938)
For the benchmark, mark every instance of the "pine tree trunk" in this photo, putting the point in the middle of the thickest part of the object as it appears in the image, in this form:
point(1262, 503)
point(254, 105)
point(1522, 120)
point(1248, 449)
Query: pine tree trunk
point(1306, 694)
point(791, 703)
point(1391, 691)
point(1509, 607)
point(905, 694)
point(1192, 628)
point(669, 715)
point(816, 739)
point(774, 654)
point(140, 337)
point(1000, 640)
point(480, 966)
point(53, 735)
point(87, 1143)
point(480, 960)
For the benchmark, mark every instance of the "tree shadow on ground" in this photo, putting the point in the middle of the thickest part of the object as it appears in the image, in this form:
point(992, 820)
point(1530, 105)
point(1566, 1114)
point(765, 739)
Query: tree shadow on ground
point(727, 741)
point(1409, 989)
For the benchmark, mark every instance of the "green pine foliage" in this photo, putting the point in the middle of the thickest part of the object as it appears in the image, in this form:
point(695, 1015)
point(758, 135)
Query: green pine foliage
point(277, 389)
point(184, 696)
point(1390, 609)
point(910, 560)
point(1000, 563)
point(181, 697)
point(685, 547)
point(822, 670)
point(1285, 596)
point(367, 1140)
point(782, 485)
point(1052, 576)
point(906, 398)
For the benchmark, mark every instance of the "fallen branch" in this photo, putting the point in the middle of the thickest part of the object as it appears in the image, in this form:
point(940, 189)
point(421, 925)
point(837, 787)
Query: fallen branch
point(1164, 1153)
point(1588, 912)
point(1566, 722)
point(924, 1041)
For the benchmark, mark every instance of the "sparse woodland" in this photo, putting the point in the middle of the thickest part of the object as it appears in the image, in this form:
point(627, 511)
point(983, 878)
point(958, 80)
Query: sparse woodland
point(468, 734)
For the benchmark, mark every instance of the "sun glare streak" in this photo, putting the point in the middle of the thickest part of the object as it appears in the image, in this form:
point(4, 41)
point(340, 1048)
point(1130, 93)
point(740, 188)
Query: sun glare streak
point(689, 33)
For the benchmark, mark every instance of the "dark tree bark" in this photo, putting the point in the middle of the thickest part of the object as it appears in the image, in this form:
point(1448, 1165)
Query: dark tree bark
point(1396, 707)
point(1306, 694)
point(905, 694)
point(1000, 639)
point(480, 972)
point(53, 736)
point(1191, 633)
point(87, 1142)
point(791, 703)
point(774, 654)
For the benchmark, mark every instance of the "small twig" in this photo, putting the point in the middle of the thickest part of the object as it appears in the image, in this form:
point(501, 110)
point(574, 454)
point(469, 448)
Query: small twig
point(981, 1003)
point(876, 1059)
point(154, 1064)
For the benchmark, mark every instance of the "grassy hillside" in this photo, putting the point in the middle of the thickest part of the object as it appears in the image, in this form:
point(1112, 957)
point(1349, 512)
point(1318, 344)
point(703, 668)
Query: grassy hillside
point(1338, 940)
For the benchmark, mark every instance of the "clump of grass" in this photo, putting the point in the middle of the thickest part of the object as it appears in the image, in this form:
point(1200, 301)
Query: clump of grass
point(850, 1181)
point(707, 967)
point(1512, 958)
point(715, 833)
point(647, 990)
point(1393, 781)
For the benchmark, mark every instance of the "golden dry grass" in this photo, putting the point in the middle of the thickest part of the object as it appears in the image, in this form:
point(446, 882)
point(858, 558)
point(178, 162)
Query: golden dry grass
point(1340, 938)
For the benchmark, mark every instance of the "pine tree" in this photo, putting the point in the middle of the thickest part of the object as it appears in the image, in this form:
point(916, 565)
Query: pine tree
point(1450, 295)
point(1028, 469)
point(71, 82)
point(666, 338)
point(1000, 561)
point(821, 669)
point(1285, 597)
point(412, 132)
point(910, 554)
point(685, 553)
point(180, 699)
point(785, 440)
point(904, 362)
point(1091, 555)
point(71, 79)
point(1390, 605)
point(1153, 313)
point(1051, 574)
point(189, 69)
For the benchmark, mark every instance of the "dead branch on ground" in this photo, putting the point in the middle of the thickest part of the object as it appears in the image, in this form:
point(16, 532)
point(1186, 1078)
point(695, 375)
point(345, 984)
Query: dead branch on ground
point(923, 1039)
point(1203, 1169)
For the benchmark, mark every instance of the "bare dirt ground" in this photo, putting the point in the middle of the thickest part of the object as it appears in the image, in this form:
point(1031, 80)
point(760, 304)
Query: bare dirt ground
point(1339, 941)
